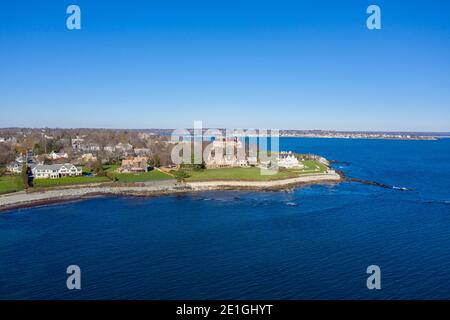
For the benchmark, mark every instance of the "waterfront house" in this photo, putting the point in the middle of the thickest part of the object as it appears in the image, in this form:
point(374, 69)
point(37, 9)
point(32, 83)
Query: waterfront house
point(223, 154)
point(288, 160)
point(134, 164)
point(223, 161)
point(54, 171)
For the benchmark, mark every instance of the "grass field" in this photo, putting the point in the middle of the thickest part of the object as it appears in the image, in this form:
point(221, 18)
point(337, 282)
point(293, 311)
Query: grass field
point(142, 177)
point(311, 166)
point(10, 184)
point(254, 174)
point(136, 177)
point(248, 174)
point(46, 183)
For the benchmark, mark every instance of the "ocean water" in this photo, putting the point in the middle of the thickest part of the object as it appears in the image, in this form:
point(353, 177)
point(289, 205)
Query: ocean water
point(312, 243)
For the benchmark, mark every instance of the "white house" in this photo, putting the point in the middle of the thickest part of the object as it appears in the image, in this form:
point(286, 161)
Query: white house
point(15, 167)
point(58, 155)
point(55, 171)
point(288, 160)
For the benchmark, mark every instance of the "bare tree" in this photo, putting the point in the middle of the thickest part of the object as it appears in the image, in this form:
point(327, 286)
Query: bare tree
point(7, 154)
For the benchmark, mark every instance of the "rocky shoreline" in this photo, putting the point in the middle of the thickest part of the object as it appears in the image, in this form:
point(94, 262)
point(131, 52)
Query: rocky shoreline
point(39, 198)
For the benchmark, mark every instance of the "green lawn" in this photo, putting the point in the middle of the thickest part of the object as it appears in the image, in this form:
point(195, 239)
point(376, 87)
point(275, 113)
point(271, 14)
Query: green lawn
point(136, 177)
point(111, 167)
point(311, 166)
point(249, 174)
point(141, 177)
point(45, 183)
point(10, 184)
point(254, 174)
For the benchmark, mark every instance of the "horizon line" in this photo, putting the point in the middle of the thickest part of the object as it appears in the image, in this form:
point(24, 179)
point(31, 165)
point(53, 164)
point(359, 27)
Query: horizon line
point(224, 128)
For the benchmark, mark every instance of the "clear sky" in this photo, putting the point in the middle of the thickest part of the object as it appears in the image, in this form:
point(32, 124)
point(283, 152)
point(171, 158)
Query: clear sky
point(231, 63)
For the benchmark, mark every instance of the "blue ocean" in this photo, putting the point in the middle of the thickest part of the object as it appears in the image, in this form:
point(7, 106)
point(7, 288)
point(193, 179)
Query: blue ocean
point(313, 242)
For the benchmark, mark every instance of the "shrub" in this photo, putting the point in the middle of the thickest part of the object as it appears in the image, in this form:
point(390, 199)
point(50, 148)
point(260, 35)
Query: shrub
point(180, 175)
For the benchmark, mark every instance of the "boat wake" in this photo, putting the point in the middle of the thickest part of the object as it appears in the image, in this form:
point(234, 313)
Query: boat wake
point(446, 202)
point(400, 188)
point(291, 204)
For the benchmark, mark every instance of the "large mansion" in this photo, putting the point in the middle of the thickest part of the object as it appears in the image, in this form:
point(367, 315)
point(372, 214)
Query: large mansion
point(288, 160)
point(134, 164)
point(220, 158)
point(54, 171)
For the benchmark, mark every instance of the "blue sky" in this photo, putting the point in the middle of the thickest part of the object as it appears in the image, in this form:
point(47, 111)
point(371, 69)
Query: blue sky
point(261, 64)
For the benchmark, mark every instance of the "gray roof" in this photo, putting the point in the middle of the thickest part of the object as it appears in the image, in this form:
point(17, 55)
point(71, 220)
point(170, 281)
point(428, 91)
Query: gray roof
point(51, 166)
point(15, 163)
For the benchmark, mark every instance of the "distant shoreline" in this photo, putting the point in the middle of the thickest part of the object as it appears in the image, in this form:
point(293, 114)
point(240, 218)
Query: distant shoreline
point(157, 188)
point(427, 138)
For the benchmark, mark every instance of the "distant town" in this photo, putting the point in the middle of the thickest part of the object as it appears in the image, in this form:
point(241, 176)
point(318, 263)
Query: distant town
point(362, 135)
